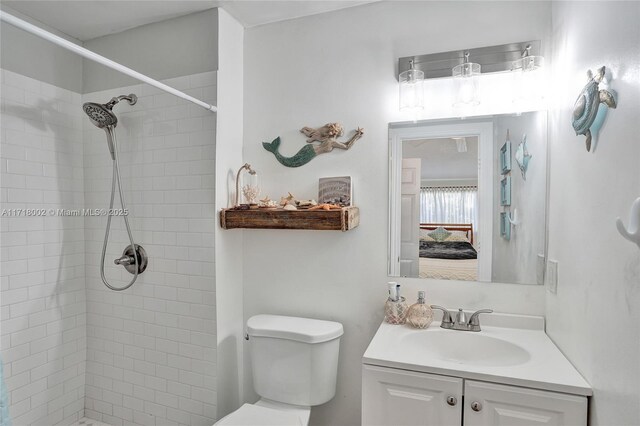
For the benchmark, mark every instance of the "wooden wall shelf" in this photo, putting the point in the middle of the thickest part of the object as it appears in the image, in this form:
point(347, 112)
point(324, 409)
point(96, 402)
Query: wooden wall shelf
point(322, 220)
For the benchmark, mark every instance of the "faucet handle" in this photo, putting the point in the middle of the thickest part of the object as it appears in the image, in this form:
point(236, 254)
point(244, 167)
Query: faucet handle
point(446, 316)
point(461, 318)
point(474, 321)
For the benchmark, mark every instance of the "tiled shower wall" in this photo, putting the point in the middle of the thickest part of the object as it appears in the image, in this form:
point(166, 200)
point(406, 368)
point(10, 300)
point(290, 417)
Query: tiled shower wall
point(151, 357)
point(42, 293)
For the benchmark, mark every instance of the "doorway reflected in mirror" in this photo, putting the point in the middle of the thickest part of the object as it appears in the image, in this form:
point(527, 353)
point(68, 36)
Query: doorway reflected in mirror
point(448, 207)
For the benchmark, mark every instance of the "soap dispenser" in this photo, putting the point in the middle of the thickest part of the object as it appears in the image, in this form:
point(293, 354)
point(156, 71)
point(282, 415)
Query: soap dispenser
point(420, 315)
point(395, 308)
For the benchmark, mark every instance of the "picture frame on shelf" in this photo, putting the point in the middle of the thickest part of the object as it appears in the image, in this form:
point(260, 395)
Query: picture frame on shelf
point(336, 190)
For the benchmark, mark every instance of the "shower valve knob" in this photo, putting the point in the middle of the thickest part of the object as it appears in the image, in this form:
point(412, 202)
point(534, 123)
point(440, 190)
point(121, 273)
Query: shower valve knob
point(129, 262)
point(124, 260)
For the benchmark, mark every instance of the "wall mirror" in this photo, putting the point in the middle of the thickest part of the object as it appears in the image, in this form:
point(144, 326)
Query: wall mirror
point(460, 207)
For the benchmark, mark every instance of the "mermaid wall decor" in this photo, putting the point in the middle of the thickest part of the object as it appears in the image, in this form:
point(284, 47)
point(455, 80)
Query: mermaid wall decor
point(320, 140)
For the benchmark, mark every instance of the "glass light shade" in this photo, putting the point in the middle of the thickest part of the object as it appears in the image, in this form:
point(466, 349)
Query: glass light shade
point(467, 84)
point(528, 81)
point(411, 90)
point(250, 187)
point(529, 63)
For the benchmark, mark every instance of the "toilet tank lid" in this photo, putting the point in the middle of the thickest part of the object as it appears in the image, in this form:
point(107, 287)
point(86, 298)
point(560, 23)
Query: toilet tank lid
point(305, 330)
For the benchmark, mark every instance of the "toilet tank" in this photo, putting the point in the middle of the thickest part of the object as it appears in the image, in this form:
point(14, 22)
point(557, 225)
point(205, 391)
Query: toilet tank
point(294, 360)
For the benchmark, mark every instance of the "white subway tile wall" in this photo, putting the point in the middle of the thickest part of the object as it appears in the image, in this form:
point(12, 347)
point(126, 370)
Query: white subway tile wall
point(151, 349)
point(149, 352)
point(42, 293)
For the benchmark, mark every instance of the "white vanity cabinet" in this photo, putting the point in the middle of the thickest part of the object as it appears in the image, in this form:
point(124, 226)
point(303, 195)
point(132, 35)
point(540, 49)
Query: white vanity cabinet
point(393, 397)
point(493, 404)
point(399, 397)
point(510, 373)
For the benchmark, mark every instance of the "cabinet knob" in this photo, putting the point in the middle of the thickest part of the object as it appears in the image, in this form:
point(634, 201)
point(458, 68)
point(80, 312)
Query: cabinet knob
point(476, 406)
point(452, 400)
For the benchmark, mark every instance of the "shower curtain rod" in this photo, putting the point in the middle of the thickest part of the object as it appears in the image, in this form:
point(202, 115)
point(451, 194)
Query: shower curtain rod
point(86, 53)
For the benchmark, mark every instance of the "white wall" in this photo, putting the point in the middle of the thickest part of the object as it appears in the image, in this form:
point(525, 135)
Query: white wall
point(342, 67)
point(151, 349)
point(34, 57)
point(229, 291)
point(176, 47)
point(595, 316)
point(42, 264)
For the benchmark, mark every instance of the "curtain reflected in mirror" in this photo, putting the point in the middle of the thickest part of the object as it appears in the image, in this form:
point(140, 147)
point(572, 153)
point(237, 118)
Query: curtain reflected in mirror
point(449, 204)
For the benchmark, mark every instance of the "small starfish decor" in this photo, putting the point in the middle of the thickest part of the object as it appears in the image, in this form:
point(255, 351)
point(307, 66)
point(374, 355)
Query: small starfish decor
point(326, 207)
point(289, 199)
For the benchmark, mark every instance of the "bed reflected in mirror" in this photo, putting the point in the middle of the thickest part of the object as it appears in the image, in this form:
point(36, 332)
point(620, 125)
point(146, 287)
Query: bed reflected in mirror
point(449, 204)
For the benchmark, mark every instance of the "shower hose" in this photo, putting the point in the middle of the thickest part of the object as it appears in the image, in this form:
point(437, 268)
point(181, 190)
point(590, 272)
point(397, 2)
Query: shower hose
point(116, 177)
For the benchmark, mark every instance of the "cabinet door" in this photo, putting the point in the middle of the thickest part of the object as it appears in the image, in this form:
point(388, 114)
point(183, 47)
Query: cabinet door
point(513, 406)
point(392, 397)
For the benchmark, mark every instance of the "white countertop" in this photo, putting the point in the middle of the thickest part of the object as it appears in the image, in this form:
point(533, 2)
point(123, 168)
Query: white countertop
point(546, 367)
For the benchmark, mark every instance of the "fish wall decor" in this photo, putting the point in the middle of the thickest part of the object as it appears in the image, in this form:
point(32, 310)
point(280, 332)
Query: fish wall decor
point(523, 157)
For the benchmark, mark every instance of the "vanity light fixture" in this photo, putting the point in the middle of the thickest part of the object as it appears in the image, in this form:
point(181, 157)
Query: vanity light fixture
point(411, 89)
point(466, 77)
point(250, 189)
point(519, 59)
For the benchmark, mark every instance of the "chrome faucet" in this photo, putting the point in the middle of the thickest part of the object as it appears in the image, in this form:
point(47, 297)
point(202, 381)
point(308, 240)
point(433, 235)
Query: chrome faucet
point(461, 323)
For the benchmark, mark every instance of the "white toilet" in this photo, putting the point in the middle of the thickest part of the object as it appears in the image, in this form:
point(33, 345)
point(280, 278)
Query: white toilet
point(295, 366)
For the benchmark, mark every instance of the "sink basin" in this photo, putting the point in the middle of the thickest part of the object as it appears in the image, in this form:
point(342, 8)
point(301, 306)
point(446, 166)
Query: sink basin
point(464, 347)
point(510, 349)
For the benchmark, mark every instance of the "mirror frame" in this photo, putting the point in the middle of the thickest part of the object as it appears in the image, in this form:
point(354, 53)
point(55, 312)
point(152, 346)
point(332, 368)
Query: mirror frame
point(431, 129)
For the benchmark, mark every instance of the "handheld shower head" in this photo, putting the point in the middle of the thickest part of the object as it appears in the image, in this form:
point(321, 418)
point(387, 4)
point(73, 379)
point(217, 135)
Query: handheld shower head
point(102, 116)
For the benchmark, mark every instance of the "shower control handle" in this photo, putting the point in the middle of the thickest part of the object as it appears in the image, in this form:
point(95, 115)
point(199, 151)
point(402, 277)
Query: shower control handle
point(129, 262)
point(125, 260)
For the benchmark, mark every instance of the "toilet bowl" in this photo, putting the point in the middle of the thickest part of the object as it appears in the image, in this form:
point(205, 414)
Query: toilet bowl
point(294, 367)
point(267, 413)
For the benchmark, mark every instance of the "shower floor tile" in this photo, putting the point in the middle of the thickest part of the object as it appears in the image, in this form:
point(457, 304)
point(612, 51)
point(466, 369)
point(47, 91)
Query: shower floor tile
point(85, 421)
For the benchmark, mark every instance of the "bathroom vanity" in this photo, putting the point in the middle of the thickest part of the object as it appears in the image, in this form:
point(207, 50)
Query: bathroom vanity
point(508, 373)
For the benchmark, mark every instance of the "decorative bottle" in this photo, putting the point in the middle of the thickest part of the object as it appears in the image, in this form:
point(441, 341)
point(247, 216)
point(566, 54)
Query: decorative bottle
point(395, 308)
point(420, 315)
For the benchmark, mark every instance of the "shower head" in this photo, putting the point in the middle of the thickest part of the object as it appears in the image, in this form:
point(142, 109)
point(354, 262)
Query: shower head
point(101, 115)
